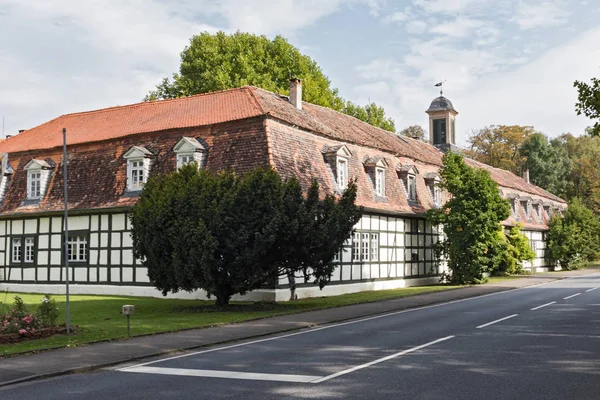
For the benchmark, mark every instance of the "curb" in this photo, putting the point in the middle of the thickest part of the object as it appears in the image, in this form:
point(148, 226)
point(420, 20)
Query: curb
point(91, 368)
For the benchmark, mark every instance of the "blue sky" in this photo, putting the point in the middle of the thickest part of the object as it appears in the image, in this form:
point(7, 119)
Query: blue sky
point(505, 61)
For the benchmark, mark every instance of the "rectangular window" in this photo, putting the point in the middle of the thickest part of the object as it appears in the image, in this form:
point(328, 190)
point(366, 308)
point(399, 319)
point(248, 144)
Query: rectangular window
point(342, 173)
point(184, 159)
point(137, 174)
point(16, 250)
point(29, 249)
point(374, 247)
point(437, 195)
point(380, 182)
point(356, 246)
point(77, 248)
point(365, 247)
point(412, 188)
point(35, 184)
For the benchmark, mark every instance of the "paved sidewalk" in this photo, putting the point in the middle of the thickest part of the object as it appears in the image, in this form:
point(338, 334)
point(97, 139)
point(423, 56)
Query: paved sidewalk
point(94, 356)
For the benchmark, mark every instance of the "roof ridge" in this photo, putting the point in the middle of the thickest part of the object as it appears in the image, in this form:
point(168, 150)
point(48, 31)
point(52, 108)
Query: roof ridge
point(250, 89)
point(184, 98)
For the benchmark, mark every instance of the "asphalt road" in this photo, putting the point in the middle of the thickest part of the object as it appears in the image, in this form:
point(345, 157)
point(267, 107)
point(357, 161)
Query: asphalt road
point(538, 342)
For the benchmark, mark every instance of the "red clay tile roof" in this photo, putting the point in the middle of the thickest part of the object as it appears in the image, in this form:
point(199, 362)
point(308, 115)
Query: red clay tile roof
point(231, 105)
point(154, 116)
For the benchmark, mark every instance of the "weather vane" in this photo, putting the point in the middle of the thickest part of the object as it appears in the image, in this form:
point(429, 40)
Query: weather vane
point(439, 84)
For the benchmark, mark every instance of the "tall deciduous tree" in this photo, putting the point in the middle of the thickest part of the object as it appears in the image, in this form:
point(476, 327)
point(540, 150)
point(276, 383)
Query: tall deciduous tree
point(414, 131)
point(588, 104)
point(498, 146)
point(548, 163)
point(471, 219)
point(220, 61)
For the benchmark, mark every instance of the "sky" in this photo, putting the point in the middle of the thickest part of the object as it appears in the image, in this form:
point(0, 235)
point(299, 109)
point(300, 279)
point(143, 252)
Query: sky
point(504, 61)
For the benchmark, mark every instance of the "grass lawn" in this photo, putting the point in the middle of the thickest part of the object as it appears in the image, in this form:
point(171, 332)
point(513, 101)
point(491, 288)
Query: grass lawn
point(99, 318)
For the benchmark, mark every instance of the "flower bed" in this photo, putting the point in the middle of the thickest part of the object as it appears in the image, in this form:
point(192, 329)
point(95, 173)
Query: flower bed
point(17, 323)
point(33, 334)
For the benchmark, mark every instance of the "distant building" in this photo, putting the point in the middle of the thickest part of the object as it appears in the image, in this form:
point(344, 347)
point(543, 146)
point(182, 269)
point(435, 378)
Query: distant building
point(113, 151)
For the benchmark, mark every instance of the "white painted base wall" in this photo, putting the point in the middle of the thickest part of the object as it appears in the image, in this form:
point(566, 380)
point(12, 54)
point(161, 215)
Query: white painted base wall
point(257, 295)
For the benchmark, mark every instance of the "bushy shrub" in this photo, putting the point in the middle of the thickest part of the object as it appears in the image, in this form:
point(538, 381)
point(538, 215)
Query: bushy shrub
point(19, 319)
point(47, 311)
point(575, 238)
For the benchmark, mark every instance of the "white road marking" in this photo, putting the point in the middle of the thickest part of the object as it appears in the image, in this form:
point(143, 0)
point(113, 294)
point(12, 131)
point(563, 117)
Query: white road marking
point(542, 306)
point(349, 322)
point(207, 373)
point(380, 360)
point(571, 296)
point(592, 289)
point(496, 321)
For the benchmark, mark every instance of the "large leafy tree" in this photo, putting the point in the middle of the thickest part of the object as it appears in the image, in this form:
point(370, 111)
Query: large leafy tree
point(230, 234)
point(220, 61)
point(471, 219)
point(574, 238)
point(588, 104)
point(499, 146)
point(582, 180)
point(548, 163)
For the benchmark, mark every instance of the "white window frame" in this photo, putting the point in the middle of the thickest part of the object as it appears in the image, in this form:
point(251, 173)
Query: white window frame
point(342, 173)
point(356, 246)
point(374, 247)
point(34, 184)
point(411, 187)
point(437, 194)
point(136, 177)
point(380, 181)
point(184, 159)
point(365, 246)
point(29, 247)
point(16, 250)
point(75, 245)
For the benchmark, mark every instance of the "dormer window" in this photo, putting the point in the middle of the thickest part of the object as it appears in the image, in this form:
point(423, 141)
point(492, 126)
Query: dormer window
point(6, 173)
point(375, 168)
point(408, 175)
point(342, 173)
point(514, 204)
point(380, 181)
point(139, 162)
point(38, 174)
point(525, 204)
point(189, 150)
point(547, 207)
point(432, 180)
point(537, 209)
point(337, 157)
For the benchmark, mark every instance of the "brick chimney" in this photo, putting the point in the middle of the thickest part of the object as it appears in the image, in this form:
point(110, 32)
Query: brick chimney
point(526, 175)
point(296, 93)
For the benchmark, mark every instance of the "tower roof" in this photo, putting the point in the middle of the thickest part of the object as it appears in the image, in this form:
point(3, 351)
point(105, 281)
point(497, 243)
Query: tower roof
point(441, 104)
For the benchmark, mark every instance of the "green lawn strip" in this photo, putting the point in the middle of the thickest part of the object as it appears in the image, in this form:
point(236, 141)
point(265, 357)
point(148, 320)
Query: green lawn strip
point(99, 318)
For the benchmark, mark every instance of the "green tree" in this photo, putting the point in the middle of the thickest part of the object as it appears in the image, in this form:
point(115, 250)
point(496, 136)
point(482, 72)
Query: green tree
point(313, 232)
point(582, 181)
point(414, 131)
point(512, 249)
point(499, 145)
point(199, 230)
point(574, 238)
point(230, 234)
point(371, 114)
point(220, 61)
point(588, 104)
point(471, 219)
point(548, 163)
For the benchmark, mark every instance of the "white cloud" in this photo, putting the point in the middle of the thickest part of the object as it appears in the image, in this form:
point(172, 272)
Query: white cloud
point(531, 15)
point(397, 16)
point(460, 27)
point(416, 26)
point(448, 6)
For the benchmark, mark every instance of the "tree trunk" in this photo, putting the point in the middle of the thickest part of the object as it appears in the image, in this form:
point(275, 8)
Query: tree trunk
point(292, 282)
point(223, 295)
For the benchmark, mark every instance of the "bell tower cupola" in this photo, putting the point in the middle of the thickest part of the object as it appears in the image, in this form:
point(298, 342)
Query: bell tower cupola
point(442, 123)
